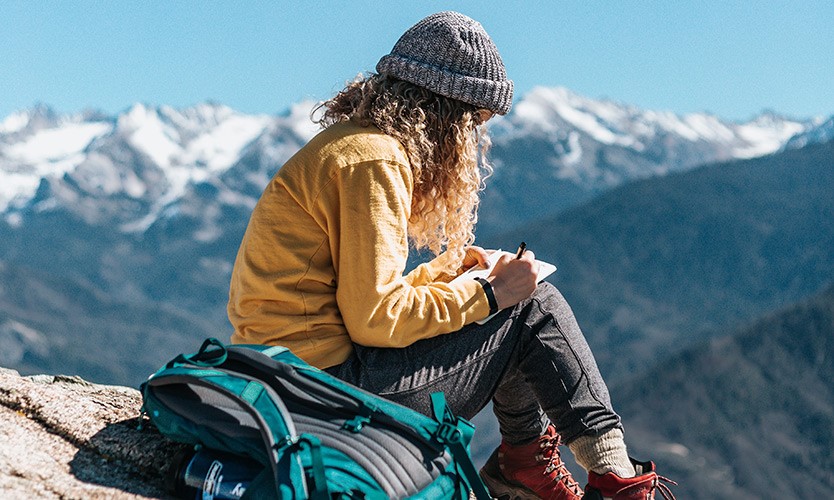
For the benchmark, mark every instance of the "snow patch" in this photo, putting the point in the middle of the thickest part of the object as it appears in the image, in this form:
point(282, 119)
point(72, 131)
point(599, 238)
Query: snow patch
point(219, 148)
point(528, 112)
point(611, 123)
point(147, 133)
point(208, 233)
point(708, 128)
point(574, 152)
point(233, 198)
point(14, 219)
point(190, 146)
point(57, 143)
point(15, 122)
point(589, 124)
point(764, 139)
point(98, 174)
point(16, 188)
point(216, 266)
point(594, 118)
point(140, 225)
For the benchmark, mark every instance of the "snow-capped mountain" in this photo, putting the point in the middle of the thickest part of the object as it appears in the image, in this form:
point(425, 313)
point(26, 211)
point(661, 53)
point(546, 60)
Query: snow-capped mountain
point(557, 149)
point(559, 113)
point(145, 158)
point(129, 170)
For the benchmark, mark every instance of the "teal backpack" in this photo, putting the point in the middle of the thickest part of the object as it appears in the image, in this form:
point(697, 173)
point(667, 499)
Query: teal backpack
point(312, 435)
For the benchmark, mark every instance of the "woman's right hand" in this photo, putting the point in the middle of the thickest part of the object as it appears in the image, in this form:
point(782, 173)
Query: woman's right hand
point(513, 280)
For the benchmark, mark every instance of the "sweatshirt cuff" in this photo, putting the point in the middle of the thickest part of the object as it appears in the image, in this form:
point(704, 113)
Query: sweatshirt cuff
point(475, 305)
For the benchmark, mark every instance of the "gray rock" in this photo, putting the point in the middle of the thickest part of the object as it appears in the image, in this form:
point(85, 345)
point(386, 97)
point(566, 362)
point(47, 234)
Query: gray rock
point(63, 437)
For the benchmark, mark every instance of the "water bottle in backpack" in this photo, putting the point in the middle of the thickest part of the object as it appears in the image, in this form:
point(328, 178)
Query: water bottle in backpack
point(210, 474)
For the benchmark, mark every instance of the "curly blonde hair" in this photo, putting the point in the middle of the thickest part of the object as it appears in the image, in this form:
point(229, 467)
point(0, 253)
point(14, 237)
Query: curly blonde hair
point(446, 143)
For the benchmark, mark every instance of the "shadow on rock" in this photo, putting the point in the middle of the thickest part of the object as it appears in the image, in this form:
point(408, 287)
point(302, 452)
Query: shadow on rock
point(124, 457)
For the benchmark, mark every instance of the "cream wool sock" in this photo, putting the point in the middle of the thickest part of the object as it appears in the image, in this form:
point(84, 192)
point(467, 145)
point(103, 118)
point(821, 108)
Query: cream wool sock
point(601, 454)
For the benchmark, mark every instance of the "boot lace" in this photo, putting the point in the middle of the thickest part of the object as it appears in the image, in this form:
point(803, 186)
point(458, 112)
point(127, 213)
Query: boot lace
point(551, 453)
point(665, 491)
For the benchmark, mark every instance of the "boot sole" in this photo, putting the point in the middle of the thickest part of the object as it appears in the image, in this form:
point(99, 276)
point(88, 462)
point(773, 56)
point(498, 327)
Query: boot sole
point(500, 488)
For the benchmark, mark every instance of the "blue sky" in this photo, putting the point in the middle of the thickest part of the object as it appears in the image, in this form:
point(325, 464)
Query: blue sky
point(731, 58)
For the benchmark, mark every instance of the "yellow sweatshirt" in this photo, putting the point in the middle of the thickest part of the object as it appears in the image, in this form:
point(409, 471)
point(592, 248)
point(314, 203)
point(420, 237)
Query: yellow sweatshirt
point(321, 264)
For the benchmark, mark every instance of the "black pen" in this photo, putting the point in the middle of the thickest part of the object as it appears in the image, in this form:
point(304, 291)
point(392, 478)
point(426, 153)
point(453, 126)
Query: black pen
point(521, 249)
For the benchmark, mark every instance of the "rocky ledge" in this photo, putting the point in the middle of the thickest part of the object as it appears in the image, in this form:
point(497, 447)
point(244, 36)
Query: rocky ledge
point(63, 437)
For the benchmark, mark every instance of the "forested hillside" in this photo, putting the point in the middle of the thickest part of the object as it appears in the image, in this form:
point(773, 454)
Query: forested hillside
point(744, 416)
point(651, 267)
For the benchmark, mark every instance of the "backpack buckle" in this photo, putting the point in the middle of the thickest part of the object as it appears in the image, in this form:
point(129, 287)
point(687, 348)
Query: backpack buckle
point(355, 424)
point(448, 433)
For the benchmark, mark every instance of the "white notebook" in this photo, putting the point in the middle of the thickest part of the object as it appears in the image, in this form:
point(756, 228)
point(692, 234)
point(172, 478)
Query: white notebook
point(545, 270)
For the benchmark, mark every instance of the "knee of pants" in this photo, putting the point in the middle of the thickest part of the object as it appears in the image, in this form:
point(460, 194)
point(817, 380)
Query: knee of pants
point(548, 302)
point(547, 293)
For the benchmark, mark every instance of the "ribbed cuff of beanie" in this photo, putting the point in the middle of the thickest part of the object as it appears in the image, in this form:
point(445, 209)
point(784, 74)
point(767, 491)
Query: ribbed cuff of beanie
point(602, 454)
point(495, 95)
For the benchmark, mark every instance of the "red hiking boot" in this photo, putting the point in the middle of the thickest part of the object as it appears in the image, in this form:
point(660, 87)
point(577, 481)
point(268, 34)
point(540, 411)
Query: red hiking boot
point(640, 487)
point(530, 471)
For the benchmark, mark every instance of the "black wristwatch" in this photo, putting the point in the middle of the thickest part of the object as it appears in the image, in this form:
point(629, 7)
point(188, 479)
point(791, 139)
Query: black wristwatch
point(490, 294)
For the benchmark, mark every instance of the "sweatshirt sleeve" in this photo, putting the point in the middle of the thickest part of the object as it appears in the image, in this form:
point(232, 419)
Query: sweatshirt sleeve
point(430, 271)
point(379, 306)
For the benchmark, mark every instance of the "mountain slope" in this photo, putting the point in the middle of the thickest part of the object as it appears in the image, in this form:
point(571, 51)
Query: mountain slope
point(745, 416)
point(651, 266)
point(68, 325)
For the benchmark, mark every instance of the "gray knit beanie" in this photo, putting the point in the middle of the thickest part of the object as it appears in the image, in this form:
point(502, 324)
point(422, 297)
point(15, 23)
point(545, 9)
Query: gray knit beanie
point(451, 55)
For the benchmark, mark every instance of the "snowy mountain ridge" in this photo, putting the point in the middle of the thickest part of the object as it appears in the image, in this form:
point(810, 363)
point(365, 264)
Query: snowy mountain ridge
point(149, 157)
point(823, 132)
point(144, 153)
point(616, 124)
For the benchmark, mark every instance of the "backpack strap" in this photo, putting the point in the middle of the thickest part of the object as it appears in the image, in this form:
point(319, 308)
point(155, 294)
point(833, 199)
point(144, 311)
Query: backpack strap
point(454, 432)
point(203, 357)
point(319, 479)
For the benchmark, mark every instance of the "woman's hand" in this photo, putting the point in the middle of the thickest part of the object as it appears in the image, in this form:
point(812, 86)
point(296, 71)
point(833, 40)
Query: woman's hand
point(475, 256)
point(513, 280)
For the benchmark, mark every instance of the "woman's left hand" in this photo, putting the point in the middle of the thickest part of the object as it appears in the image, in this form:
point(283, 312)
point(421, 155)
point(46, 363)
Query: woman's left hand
point(475, 256)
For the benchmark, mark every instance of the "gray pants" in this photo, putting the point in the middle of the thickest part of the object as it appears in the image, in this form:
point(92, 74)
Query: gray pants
point(531, 360)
